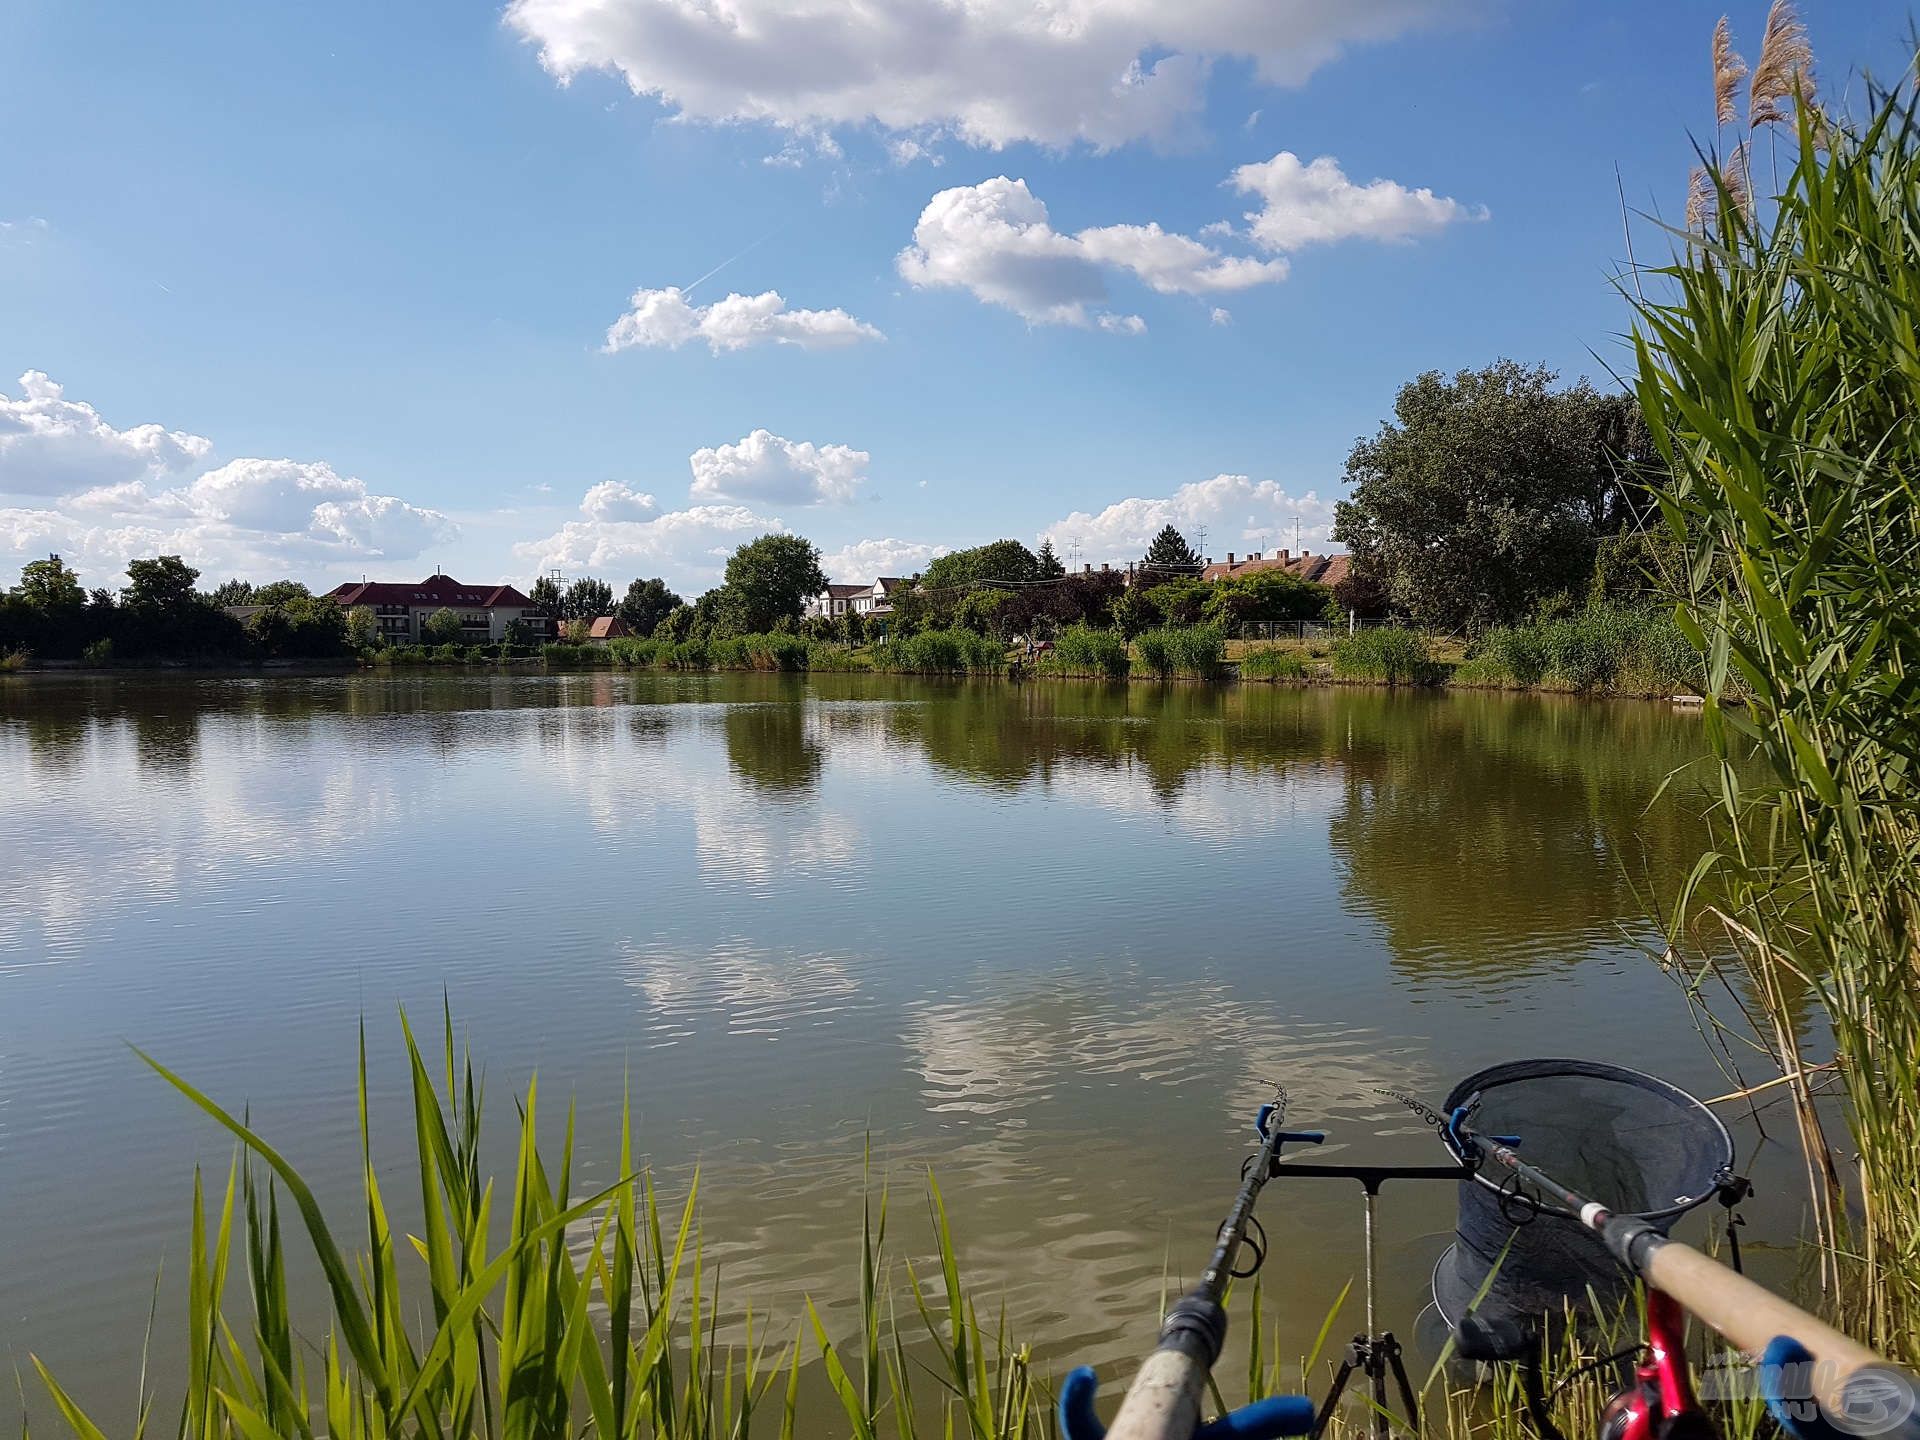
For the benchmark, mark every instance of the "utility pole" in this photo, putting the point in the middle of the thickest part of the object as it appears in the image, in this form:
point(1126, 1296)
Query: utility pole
point(1200, 541)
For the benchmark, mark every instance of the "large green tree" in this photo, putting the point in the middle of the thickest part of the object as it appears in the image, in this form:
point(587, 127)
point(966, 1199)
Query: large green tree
point(646, 604)
point(547, 596)
point(1170, 556)
point(1046, 565)
point(1487, 492)
point(587, 599)
point(767, 579)
point(161, 588)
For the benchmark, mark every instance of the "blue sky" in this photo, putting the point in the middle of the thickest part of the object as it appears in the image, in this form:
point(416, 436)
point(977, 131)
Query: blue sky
point(327, 290)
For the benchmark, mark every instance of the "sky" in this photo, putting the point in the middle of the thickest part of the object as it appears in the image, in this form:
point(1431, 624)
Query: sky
point(611, 286)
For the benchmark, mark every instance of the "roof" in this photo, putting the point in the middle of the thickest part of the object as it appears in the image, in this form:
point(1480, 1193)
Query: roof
point(1319, 569)
point(608, 627)
point(847, 592)
point(889, 582)
point(435, 590)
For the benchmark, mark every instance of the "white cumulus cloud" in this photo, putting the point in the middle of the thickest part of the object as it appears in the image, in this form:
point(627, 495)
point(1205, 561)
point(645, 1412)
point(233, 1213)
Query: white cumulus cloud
point(666, 319)
point(870, 559)
point(1238, 513)
point(611, 500)
point(990, 72)
point(1316, 204)
point(996, 240)
point(109, 500)
point(765, 466)
point(688, 548)
point(50, 445)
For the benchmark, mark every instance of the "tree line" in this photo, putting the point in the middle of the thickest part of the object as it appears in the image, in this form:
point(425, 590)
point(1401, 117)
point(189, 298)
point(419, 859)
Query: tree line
point(1490, 498)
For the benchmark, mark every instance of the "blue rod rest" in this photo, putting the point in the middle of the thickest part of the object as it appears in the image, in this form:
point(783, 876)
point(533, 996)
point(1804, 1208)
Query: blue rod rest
point(1267, 1419)
point(1304, 1137)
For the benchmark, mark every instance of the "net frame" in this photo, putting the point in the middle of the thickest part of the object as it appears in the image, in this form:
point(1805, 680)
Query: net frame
point(1529, 1283)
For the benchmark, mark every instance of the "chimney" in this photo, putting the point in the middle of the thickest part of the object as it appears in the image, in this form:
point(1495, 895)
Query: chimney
point(1229, 557)
point(1087, 569)
point(1254, 556)
point(1104, 567)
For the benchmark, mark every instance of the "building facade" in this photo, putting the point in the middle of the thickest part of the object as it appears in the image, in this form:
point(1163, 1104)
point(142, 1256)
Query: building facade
point(400, 610)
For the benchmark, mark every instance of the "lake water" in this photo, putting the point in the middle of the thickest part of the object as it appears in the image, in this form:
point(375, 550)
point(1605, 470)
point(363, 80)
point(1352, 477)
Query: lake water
point(1054, 942)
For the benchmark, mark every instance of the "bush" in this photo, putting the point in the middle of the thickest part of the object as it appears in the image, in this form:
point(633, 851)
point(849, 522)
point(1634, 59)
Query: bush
point(1514, 654)
point(575, 657)
point(1601, 648)
point(13, 661)
point(1083, 650)
point(757, 652)
point(1193, 652)
point(100, 652)
point(1386, 656)
point(1273, 662)
point(947, 652)
point(832, 658)
point(630, 654)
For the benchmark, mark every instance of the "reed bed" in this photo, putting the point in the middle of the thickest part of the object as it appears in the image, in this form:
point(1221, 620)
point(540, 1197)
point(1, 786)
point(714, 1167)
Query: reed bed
point(1385, 655)
point(1780, 372)
point(1187, 652)
point(537, 1312)
point(1083, 650)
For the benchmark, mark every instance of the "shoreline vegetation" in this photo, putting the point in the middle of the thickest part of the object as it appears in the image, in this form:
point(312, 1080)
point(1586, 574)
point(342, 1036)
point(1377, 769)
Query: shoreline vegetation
point(1606, 651)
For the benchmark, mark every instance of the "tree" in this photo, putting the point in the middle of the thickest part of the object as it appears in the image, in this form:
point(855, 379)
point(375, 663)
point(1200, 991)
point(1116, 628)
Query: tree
point(587, 599)
point(518, 632)
point(361, 629)
point(442, 627)
point(233, 592)
point(1180, 602)
point(1046, 564)
point(1134, 612)
point(767, 578)
point(275, 592)
point(49, 587)
point(646, 604)
point(677, 625)
point(546, 597)
point(1170, 555)
point(1265, 597)
point(300, 626)
point(910, 611)
point(1007, 560)
point(577, 630)
point(1487, 492)
point(852, 627)
point(161, 587)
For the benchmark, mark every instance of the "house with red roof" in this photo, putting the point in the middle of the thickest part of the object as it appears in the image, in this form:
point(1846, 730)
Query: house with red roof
point(1319, 569)
point(400, 608)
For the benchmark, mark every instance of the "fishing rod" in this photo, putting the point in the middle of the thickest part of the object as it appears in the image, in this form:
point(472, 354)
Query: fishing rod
point(1163, 1403)
point(1852, 1390)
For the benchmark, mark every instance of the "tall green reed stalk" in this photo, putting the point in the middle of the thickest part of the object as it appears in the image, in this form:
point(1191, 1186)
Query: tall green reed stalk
point(584, 1315)
point(1781, 376)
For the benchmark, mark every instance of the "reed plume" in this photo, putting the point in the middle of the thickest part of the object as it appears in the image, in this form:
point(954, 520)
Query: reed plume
point(1701, 199)
point(1737, 181)
point(1728, 70)
point(1785, 70)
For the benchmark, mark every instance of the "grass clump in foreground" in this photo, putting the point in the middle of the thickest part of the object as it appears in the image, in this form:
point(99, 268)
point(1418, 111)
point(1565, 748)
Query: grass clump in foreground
point(599, 1316)
point(1781, 379)
point(1385, 655)
point(588, 1316)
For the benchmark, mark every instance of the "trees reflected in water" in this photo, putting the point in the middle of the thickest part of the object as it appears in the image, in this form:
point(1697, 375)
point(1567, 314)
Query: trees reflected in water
point(1482, 834)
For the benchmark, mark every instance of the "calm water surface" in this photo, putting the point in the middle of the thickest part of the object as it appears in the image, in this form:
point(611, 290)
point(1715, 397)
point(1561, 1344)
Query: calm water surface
point(1054, 942)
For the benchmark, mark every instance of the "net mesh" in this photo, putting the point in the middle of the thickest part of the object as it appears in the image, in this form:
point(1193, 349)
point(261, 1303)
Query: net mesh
point(1631, 1141)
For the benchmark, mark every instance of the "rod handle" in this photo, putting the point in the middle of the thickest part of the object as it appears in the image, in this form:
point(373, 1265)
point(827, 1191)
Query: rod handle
point(1753, 1317)
point(1163, 1403)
